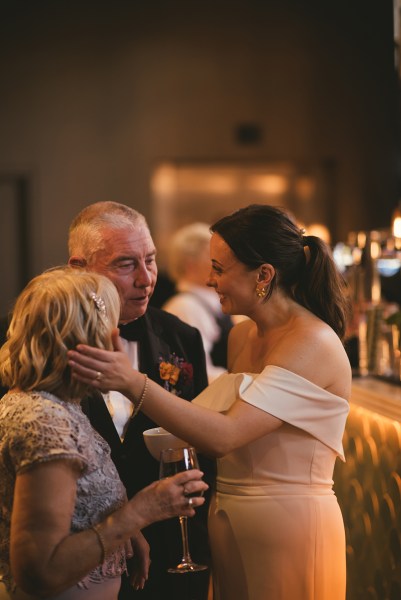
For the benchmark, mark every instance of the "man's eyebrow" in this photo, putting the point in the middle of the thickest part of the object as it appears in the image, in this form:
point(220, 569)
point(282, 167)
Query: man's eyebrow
point(123, 258)
point(127, 257)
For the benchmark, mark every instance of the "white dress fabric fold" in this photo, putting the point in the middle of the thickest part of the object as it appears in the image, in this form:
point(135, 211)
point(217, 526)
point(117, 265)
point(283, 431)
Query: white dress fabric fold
point(275, 526)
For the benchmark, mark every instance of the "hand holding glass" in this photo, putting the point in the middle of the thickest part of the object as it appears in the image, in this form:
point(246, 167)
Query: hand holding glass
point(172, 461)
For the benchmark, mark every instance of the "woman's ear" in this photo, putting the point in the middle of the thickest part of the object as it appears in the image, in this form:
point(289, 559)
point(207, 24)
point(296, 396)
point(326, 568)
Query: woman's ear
point(266, 273)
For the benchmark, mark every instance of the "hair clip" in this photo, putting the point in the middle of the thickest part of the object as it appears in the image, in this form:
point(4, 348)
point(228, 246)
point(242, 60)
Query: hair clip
point(100, 305)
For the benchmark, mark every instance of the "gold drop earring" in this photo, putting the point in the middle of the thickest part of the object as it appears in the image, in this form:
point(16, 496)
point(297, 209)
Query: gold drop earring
point(261, 292)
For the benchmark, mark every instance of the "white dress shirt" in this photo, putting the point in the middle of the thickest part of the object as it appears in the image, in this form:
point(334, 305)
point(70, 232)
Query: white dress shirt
point(119, 407)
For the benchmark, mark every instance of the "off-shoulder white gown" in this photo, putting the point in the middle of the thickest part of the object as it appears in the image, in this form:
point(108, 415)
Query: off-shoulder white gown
point(275, 526)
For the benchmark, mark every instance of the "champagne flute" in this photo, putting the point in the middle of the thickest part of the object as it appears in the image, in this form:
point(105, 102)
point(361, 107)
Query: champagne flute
point(172, 461)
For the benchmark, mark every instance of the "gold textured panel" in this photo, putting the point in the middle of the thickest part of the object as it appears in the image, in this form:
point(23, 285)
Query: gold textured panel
point(368, 487)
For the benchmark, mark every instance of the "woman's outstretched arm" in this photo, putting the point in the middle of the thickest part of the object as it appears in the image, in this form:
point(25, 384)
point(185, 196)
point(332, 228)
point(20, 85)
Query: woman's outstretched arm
point(46, 558)
point(211, 432)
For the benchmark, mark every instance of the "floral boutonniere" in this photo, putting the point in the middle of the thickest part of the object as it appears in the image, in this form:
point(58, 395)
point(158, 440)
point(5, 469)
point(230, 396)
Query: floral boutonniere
point(173, 371)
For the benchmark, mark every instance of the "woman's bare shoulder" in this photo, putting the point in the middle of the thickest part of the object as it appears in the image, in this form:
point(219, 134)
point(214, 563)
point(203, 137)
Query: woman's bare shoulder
point(314, 351)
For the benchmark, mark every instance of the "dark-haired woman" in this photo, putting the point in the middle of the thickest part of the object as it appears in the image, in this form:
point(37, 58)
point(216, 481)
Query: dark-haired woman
point(275, 420)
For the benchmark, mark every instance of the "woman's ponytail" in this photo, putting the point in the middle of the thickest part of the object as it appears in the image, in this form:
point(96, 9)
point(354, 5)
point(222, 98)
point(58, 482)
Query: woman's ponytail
point(321, 288)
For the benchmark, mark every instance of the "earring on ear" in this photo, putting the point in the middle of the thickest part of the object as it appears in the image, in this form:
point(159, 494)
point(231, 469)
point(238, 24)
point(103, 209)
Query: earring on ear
point(261, 292)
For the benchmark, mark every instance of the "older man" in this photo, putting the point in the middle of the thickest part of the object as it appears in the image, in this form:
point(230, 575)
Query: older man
point(114, 240)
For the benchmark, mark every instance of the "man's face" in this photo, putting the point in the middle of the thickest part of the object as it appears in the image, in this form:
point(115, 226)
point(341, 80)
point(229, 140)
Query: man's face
point(129, 260)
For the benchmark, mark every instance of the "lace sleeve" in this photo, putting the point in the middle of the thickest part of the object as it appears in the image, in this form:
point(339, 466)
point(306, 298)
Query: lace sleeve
point(42, 429)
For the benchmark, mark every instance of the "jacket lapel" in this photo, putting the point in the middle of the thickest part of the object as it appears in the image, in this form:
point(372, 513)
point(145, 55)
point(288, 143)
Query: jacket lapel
point(151, 357)
point(96, 410)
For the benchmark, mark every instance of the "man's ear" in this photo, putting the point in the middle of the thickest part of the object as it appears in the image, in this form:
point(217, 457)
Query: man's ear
point(77, 262)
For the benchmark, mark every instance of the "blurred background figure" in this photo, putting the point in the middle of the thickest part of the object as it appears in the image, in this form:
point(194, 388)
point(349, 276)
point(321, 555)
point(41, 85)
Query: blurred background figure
point(198, 305)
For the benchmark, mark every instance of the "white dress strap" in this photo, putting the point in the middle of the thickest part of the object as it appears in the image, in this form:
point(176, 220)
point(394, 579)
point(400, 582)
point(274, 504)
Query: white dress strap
point(299, 402)
point(284, 395)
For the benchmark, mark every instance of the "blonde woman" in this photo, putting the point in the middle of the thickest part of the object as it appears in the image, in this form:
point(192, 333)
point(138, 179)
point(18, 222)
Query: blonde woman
point(66, 526)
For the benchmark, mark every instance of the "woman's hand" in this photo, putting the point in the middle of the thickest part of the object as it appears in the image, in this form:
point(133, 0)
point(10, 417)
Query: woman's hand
point(170, 497)
point(106, 370)
point(141, 562)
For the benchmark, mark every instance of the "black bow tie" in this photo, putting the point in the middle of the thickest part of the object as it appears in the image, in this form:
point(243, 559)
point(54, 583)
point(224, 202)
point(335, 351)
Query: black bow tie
point(132, 331)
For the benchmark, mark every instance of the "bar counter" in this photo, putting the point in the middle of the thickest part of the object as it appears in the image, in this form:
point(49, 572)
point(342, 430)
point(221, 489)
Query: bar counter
point(368, 487)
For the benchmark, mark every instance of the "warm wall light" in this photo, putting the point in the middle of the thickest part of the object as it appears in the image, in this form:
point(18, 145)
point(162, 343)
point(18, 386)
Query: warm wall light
point(319, 230)
point(397, 227)
point(164, 180)
point(375, 249)
point(356, 255)
point(361, 239)
point(271, 184)
point(396, 218)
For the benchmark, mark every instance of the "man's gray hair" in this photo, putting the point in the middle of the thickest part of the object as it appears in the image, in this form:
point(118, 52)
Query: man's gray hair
point(86, 230)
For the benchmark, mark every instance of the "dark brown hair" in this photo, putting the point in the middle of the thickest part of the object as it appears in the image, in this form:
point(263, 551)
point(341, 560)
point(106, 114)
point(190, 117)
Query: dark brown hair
point(304, 265)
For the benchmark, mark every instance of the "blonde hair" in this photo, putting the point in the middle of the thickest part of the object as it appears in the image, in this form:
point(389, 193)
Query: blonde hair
point(56, 311)
point(188, 243)
point(86, 230)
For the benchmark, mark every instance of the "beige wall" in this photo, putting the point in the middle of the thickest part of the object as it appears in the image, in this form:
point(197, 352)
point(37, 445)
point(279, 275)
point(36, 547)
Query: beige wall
point(94, 94)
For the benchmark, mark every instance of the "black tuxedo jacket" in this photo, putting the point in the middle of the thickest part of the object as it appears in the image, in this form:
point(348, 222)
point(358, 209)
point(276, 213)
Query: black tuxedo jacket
point(162, 337)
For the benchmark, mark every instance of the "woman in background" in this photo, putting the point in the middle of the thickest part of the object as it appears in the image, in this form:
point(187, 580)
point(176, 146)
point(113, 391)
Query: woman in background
point(65, 523)
point(275, 420)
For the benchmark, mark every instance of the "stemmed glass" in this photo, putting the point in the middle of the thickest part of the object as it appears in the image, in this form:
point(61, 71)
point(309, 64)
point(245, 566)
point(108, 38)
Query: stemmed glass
point(172, 461)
